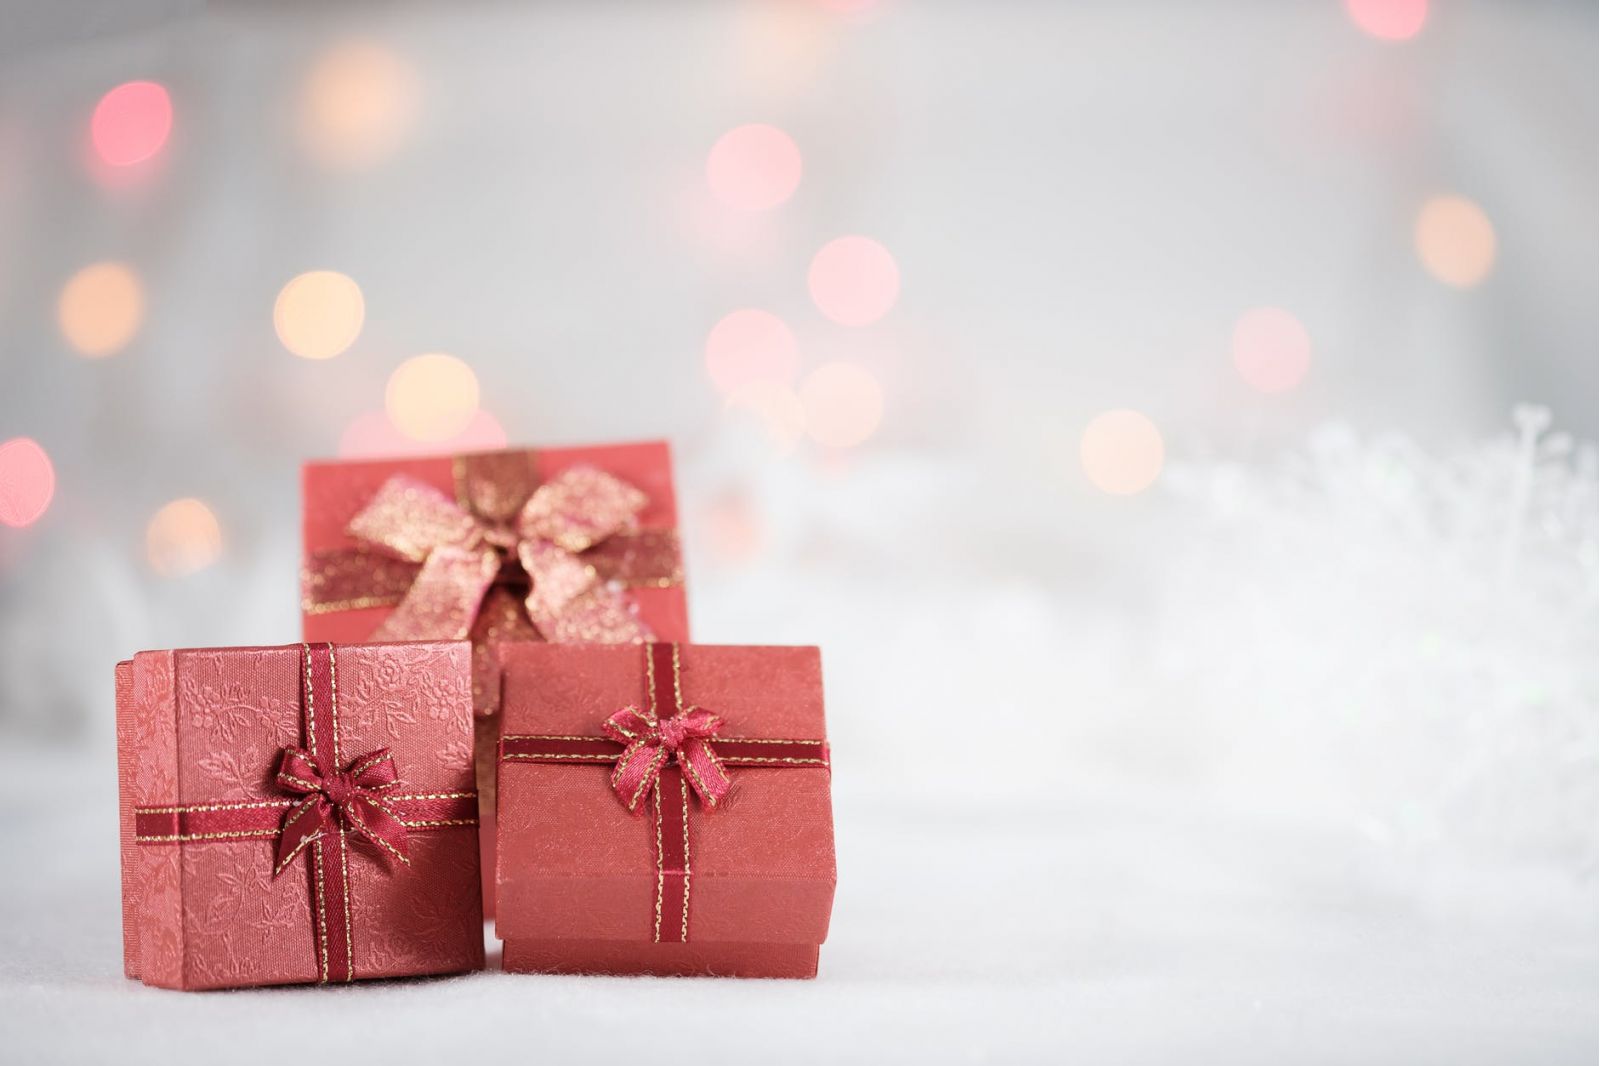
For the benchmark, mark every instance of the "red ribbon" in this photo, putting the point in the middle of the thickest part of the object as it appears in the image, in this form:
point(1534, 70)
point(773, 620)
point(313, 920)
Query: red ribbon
point(665, 759)
point(336, 804)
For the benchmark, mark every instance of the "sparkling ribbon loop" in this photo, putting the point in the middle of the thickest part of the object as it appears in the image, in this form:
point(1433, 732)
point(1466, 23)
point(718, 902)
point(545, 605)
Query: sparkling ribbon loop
point(665, 759)
point(349, 799)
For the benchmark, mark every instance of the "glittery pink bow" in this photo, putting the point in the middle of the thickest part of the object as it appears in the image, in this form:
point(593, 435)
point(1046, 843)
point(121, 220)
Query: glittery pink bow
point(463, 554)
point(348, 798)
point(651, 742)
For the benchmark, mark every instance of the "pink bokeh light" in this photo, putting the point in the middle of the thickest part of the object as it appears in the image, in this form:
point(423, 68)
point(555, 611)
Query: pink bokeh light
point(1271, 349)
point(854, 280)
point(1389, 20)
point(131, 123)
point(371, 435)
point(754, 167)
point(27, 482)
point(748, 346)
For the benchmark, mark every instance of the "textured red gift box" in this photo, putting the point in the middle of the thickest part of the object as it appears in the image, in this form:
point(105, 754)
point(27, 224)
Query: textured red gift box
point(576, 876)
point(334, 492)
point(206, 727)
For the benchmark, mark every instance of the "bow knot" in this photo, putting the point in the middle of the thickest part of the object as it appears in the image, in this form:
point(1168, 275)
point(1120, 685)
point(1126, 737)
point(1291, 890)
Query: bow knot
point(650, 742)
point(350, 799)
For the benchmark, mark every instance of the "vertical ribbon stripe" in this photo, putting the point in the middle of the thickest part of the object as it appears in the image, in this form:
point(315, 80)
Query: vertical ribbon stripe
point(329, 865)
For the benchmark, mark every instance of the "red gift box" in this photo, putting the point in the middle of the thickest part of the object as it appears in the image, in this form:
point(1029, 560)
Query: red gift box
point(558, 544)
point(297, 814)
point(663, 810)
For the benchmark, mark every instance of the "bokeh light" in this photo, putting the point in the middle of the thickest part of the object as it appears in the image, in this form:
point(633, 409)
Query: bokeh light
point(319, 314)
point(1122, 452)
point(732, 527)
point(778, 408)
point(27, 482)
point(1455, 240)
point(131, 123)
point(754, 167)
point(182, 538)
point(843, 404)
point(1271, 349)
point(100, 309)
point(432, 397)
point(1389, 20)
point(854, 280)
point(358, 104)
point(750, 345)
point(371, 435)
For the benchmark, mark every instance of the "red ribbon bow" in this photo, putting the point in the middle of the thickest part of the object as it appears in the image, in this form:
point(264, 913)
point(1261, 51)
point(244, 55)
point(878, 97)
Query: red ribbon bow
point(650, 742)
point(349, 798)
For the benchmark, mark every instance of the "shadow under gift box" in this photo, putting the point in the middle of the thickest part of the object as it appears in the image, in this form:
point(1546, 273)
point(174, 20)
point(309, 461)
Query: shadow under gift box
point(577, 877)
point(207, 728)
point(368, 582)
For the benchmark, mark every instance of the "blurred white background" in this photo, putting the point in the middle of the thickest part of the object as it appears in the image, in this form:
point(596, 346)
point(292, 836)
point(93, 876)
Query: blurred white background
point(1174, 420)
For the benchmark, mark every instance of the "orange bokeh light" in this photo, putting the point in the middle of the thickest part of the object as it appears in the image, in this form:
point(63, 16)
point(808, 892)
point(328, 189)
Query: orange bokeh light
point(1389, 20)
point(1122, 452)
point(358, 104)
point(100, 309)
point(1455, 240)
point(1271, 349)
point(182, 538)
point(131, 123)
point(319, 314)
point(843, 404)
point(854, 280)
point(431, 397)
point(371, 436)
point(27, 482)
point(748, 346)
point(754, 167)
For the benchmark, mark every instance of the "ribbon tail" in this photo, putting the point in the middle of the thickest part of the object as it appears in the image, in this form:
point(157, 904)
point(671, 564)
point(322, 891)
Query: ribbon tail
point(636, 771)
point(304, 823)
point(373, 819)
point(704, 771)
point(443, 601)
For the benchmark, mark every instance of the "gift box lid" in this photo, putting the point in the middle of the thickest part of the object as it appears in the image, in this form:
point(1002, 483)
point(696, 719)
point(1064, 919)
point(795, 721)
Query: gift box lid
point(576, 863)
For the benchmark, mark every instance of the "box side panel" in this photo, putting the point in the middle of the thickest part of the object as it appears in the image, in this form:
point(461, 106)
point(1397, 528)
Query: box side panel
point(153, 782)
point(125, 763)
point(661, 960)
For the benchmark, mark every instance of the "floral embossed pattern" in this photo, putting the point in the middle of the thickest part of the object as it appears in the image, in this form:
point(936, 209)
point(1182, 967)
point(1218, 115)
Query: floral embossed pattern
point(208, 726)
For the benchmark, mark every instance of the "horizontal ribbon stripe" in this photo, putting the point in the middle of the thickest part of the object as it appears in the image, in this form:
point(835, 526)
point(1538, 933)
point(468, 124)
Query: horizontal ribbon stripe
point(241, 821)
point(736, 751)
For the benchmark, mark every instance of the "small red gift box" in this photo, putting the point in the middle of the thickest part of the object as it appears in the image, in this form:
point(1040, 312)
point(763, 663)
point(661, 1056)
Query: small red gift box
point(556, 544)
point(297, 814)
point(663, 810)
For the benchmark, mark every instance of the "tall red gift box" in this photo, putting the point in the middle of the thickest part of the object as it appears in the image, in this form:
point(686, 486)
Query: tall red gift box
point(664, 810)
point(297, 814)
point(554, 544)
